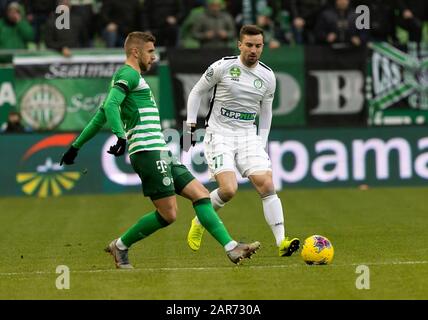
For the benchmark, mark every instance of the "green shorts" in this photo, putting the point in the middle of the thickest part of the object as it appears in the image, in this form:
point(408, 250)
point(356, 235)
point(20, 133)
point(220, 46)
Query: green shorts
point(161, 174)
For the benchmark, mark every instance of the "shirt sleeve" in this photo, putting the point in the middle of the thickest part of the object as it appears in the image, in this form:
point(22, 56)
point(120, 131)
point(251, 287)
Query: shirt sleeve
point(126, 80)
point(91, 129)
point(112, 111)
point(208, 80)
point(265, 119)
point(123, 82)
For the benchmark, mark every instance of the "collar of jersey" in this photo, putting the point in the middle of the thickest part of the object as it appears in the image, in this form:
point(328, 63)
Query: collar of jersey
point(244, 66)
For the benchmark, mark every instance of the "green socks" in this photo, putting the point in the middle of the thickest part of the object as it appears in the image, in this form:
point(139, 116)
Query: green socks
point(148, 224)
point(153, 221)
point(211, 221)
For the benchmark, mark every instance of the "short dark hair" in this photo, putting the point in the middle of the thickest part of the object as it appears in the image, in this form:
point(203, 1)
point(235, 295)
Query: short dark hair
point(137, 38)
point(250, 30)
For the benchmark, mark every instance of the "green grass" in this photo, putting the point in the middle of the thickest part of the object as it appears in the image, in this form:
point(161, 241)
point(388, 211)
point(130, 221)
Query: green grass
point(383, 228)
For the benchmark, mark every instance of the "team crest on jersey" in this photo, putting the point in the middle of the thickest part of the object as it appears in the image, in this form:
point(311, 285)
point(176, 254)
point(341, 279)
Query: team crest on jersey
point(166, 181)
point(258, 83)
point(209, 73)
point(235, 72)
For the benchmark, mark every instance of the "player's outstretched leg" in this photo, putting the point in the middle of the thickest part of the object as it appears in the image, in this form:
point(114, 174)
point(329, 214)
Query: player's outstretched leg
point(196, 231)
point(274, 216)
point(190, 188)
point(272, 209)
point(118, 248)
point(211, 221)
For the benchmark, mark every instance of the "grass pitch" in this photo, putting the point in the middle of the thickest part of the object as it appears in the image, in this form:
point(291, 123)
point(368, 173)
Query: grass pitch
point(383, 228)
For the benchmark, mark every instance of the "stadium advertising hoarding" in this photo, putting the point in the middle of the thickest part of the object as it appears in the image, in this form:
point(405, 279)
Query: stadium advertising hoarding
point(397, 85)
point(320, 86)
point(57, 93)
point(290, 95)
point(317, 86)
point(335, 86)
point(7, 92)
point(300, 158)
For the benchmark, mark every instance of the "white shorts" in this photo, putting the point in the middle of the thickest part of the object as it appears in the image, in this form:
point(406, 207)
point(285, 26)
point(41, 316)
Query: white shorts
point(244, 154)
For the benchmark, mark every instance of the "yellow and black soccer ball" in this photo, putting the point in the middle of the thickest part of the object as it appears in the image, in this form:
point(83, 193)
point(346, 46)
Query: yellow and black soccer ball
point(317, 250)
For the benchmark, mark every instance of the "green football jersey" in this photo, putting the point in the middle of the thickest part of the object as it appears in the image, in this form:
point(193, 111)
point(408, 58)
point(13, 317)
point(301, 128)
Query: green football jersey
point(138, 111)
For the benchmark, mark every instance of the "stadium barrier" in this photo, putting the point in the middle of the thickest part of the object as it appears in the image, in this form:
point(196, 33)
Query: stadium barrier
point(350, 157)
point(317, 86)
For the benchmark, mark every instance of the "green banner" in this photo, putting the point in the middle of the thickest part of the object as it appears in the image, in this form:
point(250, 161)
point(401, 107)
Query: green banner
point(300, 158)
point(289, 68)
point(7, 92)
point(62, 94)
point(397, 84)
point(63, 104)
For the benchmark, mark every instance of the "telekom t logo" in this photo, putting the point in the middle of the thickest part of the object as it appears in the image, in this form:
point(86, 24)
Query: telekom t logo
point(161, 164)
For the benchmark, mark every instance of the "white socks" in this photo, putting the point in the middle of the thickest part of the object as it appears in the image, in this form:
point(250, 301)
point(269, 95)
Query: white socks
point(216, 202)
point(120, 245)
point(230, 245)
point(274, 216)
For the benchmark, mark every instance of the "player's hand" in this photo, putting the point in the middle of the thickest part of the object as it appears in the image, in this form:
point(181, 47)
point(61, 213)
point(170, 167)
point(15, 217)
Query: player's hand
point(188, 138)
point(119, 148)
point(69, 156)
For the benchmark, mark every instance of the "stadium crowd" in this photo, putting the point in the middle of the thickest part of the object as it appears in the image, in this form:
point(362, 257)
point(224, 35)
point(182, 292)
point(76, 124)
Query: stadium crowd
point(206, 23)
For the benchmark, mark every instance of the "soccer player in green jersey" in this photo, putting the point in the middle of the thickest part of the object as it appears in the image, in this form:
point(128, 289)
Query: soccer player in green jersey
point(131, 112)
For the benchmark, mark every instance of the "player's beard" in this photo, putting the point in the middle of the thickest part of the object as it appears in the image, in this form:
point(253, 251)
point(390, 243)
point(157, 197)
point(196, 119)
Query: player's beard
point(252, 60)
point(143, 67)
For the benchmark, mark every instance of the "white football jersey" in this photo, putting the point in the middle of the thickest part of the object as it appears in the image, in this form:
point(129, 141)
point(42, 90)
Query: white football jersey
point(238, 94)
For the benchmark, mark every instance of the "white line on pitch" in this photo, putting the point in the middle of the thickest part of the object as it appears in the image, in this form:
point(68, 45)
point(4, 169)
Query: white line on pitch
point(5, 274)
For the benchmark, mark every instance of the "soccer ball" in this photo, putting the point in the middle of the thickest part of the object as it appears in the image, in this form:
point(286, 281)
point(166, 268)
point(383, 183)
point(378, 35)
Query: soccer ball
point(317, 250)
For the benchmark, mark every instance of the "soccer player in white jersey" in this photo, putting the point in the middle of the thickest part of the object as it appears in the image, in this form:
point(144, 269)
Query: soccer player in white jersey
point(243, 87)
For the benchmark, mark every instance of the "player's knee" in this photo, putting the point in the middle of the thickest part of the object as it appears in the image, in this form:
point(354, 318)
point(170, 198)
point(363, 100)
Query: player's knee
point(169, 214)
point(266, 188)
point(170, 217)
point(200, 193)
point(203, 193)
point(226, 193)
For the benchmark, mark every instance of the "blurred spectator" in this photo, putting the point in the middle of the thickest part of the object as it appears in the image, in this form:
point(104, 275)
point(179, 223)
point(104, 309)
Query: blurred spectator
point(189, 5)
point(15, 31)
point(85, 10)
point(281, 19)
point(304, 14)
point(3, 6)
point(413, 13)
point(64, 40)
point(13, 123)
point(336, 26)
point(214, 28)
point(245, 11)
point(162, 19)
point(186, 39)
point(265, 22)
point(38, 12)
point(382, 20)
point(118, 18)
